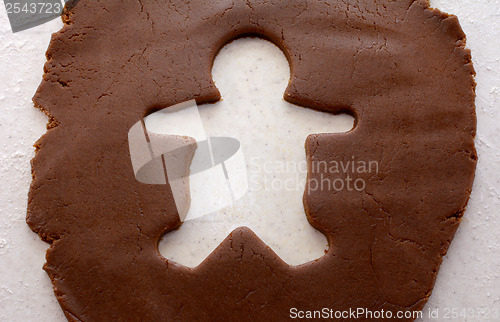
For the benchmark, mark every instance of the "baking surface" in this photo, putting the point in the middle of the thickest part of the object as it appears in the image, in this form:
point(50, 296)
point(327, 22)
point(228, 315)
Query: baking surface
point(468, 278)
point(252, 75)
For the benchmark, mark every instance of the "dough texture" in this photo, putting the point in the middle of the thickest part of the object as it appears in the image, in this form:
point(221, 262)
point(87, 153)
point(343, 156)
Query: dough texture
point(400, 67)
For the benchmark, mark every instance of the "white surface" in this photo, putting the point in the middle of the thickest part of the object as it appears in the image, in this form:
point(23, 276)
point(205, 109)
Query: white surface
point(252, 75)
point(469, 276)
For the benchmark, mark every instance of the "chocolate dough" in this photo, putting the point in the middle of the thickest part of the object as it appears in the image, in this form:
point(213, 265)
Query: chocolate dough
point(400, 67)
